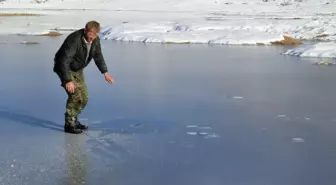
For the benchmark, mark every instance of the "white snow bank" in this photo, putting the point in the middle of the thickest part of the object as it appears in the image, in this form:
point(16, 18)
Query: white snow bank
point(187, 34)
point(178, 21)
point(323, 50)
point(295, 7)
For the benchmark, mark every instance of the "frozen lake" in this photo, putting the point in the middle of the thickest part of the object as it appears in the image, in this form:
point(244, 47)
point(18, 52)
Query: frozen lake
point(177, 114)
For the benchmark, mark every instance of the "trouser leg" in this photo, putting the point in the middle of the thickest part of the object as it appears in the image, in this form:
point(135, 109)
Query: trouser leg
point(83, 95)
point(76, 101)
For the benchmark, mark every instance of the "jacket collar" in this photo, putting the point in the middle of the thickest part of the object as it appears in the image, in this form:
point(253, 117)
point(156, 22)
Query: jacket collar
point(85, 41)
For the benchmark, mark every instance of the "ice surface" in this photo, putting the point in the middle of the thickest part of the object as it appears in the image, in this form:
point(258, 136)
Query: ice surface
point(164, 88)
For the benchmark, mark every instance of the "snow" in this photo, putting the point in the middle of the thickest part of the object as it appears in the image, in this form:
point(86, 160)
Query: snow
point(323, 50)
point(240, 22)
point(184, 34)
point(298, 140)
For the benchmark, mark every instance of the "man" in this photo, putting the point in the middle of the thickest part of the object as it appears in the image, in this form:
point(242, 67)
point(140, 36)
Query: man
point(76, 52)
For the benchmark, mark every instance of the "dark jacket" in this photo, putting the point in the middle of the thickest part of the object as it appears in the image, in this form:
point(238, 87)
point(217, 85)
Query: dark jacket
point(72, 54)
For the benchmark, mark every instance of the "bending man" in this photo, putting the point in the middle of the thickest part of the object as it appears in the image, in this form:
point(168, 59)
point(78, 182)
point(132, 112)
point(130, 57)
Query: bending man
point(76, 52)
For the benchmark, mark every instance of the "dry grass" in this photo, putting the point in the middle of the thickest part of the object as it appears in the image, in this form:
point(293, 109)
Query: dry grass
point(323, 35)
point(12, 14)
point(51, 33)
point(287, 41)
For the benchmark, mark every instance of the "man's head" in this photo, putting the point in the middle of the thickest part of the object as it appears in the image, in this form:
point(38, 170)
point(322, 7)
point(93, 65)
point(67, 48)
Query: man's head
point(92, 29)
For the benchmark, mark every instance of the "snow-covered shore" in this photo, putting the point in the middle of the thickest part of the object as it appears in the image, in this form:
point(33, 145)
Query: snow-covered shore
point(251, 22)
point(322, 50)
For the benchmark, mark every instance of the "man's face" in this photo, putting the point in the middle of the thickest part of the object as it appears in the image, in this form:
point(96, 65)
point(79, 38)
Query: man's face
point(90, 35)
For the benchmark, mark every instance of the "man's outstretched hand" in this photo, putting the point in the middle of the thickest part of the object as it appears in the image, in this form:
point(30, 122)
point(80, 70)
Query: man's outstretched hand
point(108, 78)
point(70, 87)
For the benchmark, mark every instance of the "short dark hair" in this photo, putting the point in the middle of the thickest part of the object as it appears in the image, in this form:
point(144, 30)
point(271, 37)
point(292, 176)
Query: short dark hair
point(92, 25)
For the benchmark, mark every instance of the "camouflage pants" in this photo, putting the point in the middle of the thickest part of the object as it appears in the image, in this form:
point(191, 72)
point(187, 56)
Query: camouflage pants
point(76, 101)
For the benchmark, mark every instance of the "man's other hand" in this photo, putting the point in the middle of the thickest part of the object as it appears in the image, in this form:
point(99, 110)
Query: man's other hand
point(108, 78)
point(70, 87)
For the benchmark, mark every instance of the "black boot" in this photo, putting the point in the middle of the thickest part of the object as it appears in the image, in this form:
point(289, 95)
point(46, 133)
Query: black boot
point(80, 126)
point(68, 128)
